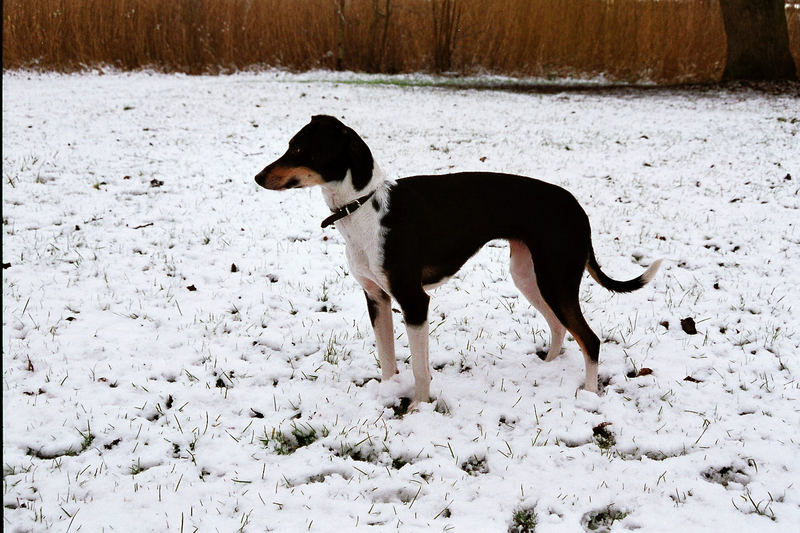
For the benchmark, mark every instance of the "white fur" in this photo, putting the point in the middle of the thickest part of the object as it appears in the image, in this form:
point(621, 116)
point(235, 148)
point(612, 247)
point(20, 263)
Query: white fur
point(361, 230)
point(384, 337)
point(651, 271)
point(420, 364)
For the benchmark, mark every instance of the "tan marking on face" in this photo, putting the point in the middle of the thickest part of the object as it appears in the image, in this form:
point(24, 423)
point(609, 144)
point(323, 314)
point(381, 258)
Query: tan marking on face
point(281, 177)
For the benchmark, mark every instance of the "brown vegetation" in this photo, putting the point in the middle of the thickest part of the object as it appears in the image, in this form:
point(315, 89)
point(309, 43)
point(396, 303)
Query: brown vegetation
point(665, 41)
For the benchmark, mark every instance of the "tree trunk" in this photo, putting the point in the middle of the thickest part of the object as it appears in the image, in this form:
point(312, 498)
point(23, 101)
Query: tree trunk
point(340, 27)
point(758, 41)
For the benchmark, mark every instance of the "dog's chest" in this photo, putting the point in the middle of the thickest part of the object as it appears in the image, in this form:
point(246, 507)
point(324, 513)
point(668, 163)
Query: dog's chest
point(364, 246)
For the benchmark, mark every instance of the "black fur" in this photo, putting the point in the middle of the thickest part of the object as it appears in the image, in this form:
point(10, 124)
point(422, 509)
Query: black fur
point(438, 222)
point(372, 307)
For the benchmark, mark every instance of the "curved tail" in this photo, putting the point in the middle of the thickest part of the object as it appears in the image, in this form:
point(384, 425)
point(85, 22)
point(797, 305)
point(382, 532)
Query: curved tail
point(620, 286)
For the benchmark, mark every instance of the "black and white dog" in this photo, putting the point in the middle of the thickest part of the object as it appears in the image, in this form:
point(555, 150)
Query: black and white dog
point(406, 236)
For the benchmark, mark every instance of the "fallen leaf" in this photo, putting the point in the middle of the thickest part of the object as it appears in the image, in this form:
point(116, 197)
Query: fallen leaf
point(688, 325)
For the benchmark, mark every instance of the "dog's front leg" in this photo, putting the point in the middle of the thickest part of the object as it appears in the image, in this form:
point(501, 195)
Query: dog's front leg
point(414, 303)
point(418, 343)
point(379, 306)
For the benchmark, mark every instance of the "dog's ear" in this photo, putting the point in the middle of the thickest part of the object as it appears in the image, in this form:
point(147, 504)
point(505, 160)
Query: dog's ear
point(359, 158)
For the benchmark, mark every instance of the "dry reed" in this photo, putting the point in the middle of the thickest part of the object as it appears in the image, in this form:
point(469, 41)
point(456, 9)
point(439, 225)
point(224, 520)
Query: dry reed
point(665, 41)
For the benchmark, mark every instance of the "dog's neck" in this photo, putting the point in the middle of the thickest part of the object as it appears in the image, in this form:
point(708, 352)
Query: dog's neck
point(341, 193)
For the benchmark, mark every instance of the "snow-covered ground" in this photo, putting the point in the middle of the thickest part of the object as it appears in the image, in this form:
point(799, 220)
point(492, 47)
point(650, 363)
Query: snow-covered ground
point(150, 385)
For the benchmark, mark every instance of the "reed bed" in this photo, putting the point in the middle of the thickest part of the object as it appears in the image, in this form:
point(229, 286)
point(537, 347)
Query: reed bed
point(666, 41)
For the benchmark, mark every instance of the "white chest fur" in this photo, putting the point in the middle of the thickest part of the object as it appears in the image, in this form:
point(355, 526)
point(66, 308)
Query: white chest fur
point(362, 230)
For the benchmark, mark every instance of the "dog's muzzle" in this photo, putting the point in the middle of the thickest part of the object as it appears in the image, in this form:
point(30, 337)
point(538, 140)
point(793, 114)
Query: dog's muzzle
point(276, 178)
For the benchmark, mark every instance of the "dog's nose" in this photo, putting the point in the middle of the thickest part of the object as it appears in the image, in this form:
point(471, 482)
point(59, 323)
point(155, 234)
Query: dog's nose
point(260, 178)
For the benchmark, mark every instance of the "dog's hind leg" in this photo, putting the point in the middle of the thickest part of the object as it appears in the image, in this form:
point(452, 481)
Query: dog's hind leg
point(590, 344)
point(525, 279)
point(560, 285)
point(379, 306)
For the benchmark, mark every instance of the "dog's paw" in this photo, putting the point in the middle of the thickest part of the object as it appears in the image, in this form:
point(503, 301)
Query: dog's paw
point(588, 401)
point(590, 387)
point(419, 403)
point(552, 355)
point(388, 376)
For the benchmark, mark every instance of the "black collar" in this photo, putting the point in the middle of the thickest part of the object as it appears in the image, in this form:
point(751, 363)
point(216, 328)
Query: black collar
point(345, 210)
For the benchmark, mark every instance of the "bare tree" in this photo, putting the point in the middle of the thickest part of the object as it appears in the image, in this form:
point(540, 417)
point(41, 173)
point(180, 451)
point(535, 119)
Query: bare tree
point(758, 41)
point(340, 27)
point(446, 20)
point(379, 34)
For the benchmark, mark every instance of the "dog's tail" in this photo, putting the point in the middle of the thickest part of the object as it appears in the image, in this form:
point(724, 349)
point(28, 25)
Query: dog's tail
point(620, 286)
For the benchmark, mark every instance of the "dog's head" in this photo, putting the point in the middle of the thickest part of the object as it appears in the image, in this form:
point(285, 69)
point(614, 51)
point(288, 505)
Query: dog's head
point(324, 152)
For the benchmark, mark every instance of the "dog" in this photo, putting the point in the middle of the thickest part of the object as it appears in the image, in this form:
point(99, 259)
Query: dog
point(407, 236)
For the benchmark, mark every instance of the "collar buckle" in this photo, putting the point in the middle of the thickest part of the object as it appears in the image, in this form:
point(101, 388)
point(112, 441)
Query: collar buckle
point(346, 210)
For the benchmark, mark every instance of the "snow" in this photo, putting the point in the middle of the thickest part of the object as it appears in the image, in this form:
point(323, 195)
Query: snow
point(132, 403)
